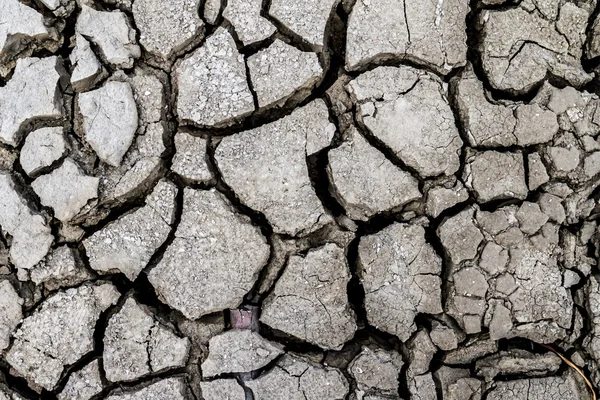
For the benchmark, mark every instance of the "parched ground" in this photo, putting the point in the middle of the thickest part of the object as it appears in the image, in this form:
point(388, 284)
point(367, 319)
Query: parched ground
point(299, 200)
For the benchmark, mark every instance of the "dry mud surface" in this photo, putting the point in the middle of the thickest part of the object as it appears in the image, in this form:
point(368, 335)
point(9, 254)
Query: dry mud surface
point(299, 200)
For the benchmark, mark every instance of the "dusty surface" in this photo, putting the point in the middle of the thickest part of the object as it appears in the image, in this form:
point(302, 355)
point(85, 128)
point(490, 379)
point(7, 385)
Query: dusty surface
point(311, 200)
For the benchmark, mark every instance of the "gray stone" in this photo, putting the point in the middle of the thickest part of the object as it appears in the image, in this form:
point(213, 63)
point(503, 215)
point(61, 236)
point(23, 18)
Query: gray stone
point(422, 387)
point(212, 84)
point(87, 70)
point(127, 244)
point(190, 157)
point(59, 269)
point(534, 125)
point(31, 235)
point(520, 47)
point(238, 351)
point(59, 333)
point(7, 394)
point(214, 259)
point(471, 352)
point(295, 379)
point(166, 28)
point(416, 123)
point(41, 149)
point(109, 120)
point(111, 32)
point(496, 175)
point(563, 159)
point(530, 217)
point(222, 389)
point(31, 94)
point(537, 171)
point(399, 271)
point(365, 182)
point(266, 168)
point(593, 44)
point(517, 362)
point(137, 344)
point(444, 337)
point(66, 190)
point(10, 312)
point(440, 198)
point(376, 371)
point(433, 33)
point(551, 388)
point(249, 25)
point(464, 389)
point(281, 70)
point(310, 301)
point(420, 353)
point(83, 384)
point(308, 18)
point(460, 236)
point(170, 388)
point(553, 207)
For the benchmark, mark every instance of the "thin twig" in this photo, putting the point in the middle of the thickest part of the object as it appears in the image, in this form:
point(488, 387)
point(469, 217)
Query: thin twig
point(575, 367)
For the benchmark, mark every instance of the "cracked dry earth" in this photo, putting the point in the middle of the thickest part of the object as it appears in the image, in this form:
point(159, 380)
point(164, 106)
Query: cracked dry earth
point(299, 200)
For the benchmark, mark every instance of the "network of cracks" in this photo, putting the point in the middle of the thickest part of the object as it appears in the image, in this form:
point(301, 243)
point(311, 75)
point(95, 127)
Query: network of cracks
point(327, 199)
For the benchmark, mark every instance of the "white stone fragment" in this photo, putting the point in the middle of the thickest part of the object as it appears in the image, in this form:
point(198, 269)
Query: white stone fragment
point(212, 83)
point(111, 32)
point(31, 93)
point(10, 312)
point(41, 149)
point(87, 70)
point(413, 117)
point(31, 236)
point(280, 70)
point(110, 119)
point(166, 27)
point(249, 25)
point(238, 351)
point(66, 189)
point(306, 18)
point(83, 384)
